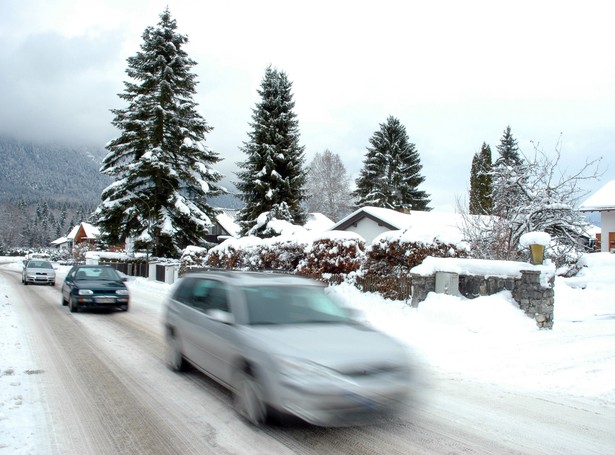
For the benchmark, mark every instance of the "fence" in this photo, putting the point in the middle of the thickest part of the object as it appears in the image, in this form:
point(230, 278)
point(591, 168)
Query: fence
point(130, 268)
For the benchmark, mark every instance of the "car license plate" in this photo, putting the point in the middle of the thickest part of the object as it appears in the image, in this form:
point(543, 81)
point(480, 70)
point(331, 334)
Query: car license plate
point(105, 300)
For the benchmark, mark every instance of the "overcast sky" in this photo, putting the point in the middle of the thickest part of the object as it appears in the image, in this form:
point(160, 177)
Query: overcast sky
point(455, 73)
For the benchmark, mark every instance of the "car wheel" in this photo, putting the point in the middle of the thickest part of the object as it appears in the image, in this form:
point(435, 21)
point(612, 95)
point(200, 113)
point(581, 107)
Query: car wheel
point(64, 301)
point(53, 283)
point(125, 308)
point(175, 358)
point(73, 306)
point(25, 282)
point(248, 398)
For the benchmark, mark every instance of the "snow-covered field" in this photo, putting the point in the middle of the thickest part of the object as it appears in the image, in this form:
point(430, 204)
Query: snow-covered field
point(487, 339)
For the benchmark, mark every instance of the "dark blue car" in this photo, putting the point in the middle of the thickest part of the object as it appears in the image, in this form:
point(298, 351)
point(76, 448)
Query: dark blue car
point(94, 286)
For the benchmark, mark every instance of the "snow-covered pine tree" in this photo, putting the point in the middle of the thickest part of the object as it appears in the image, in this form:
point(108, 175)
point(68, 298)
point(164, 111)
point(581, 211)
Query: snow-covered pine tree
point(542, 197)
point(328, 186)
point(162, 168)
point(391, 171)
point(508, 150)
point(273, 172)
point(509, 175)
point(481, 182)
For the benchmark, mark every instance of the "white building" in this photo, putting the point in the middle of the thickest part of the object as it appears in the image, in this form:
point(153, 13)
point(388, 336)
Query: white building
point(603, 201)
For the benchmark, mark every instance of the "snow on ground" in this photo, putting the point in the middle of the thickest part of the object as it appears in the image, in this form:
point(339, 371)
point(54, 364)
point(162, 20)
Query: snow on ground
point(487, 339)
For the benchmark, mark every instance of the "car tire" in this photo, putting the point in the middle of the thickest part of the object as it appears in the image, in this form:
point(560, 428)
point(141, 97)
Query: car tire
point(25, 282)
point(175, 357)
point(72, 306)
point(248, 398)
point(53, 283)
point(125, 308)
point(64, 301)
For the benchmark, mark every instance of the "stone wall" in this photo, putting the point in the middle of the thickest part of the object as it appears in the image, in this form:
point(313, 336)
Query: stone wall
point(534, 295)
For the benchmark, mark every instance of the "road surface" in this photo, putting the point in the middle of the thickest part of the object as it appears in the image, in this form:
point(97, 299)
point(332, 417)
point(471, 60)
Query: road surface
point(105, 389)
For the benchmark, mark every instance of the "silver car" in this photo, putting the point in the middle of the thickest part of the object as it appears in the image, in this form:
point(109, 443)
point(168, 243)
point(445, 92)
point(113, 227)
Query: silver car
point(38, 271)
point(283, 346)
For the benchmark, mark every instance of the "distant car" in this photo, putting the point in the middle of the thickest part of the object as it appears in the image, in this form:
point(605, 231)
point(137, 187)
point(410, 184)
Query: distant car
point(94, 286)
point(282, 345)
point(38, 271)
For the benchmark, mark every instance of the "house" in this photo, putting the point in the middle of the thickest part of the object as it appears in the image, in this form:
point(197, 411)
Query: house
point(603, 201)
point(83, 233)
point(370, 222)
point(224, 227)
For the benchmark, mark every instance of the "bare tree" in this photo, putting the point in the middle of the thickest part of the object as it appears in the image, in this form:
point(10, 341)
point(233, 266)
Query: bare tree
point(546, 199)
point(328, 186)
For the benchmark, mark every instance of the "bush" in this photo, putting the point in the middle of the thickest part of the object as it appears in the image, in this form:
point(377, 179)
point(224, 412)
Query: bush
point(389, 261)
point(339, 256)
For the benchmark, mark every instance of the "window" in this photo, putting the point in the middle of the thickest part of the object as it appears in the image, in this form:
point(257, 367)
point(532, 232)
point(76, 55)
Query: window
point(209, 295)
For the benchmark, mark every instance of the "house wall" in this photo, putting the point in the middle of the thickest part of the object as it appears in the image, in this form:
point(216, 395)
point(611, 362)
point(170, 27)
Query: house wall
point(368, 229)
point(607, 224)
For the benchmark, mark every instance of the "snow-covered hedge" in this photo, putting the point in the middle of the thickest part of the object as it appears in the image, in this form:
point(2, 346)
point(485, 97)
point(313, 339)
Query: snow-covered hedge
point(391, 257)
point(333, 253)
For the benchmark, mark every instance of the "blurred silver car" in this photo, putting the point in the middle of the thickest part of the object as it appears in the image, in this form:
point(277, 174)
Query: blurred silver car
point(283, 346)
point(38, 271)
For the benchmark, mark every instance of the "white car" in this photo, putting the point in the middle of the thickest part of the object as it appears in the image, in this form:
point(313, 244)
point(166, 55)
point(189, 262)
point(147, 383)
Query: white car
point(282, 345)
point(38, 271)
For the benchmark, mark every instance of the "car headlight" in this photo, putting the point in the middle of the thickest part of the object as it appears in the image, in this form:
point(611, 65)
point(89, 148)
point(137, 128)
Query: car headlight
point(122, 292)
point(85, 292)
point(304, 370)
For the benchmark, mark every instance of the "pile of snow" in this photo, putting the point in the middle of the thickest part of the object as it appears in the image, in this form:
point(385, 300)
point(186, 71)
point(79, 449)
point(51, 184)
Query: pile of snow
point(535, 238)
point(485, 267)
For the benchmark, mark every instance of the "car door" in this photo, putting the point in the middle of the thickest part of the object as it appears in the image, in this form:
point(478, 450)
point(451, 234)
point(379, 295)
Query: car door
point(214, 338)
point(67, 285)
point(181, 314)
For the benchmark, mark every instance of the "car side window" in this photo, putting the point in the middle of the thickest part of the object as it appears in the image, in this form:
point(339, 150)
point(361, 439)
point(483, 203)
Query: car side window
point(183, 293)
point(210, 295)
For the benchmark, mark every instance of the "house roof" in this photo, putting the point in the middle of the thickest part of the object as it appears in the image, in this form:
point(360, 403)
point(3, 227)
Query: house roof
point(226, 220)
point(422, 226)
point(601, 200)
point(91, 232)
point(317, 222)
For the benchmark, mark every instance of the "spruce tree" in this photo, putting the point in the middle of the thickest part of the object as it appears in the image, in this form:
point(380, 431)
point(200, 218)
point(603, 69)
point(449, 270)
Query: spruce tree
point(481, 183)
point(273, 173)
point(508, 150)
point(162, 168)
point(391, 171)
point(509, 175)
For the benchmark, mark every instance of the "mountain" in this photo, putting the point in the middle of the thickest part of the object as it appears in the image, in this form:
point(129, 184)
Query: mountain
point(35, 172)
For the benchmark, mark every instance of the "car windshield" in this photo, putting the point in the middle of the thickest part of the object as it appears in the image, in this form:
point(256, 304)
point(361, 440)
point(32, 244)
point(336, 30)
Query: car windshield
point(96, 273)
point(39, 265)
point(291, 305)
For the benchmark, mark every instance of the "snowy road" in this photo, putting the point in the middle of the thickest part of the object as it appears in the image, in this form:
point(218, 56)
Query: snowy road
point(104, 389)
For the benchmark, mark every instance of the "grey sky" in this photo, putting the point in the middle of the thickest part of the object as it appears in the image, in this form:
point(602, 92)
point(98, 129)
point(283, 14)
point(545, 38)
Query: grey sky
point(454, 73)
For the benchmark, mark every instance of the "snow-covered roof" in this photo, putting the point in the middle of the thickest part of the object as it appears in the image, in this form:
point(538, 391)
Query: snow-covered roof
point(60, 241)
point(416, 225)
point(226, 220)
point(601, 200)
point(91, 232)
point(318, 222)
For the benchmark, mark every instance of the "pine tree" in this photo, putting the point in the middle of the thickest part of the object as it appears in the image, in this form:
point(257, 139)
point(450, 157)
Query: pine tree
point(508, 150)
point(391, 171)
point(328, 186)
point(273, 172)
point(509, 175)
point(481, 183)
point(162, 168)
